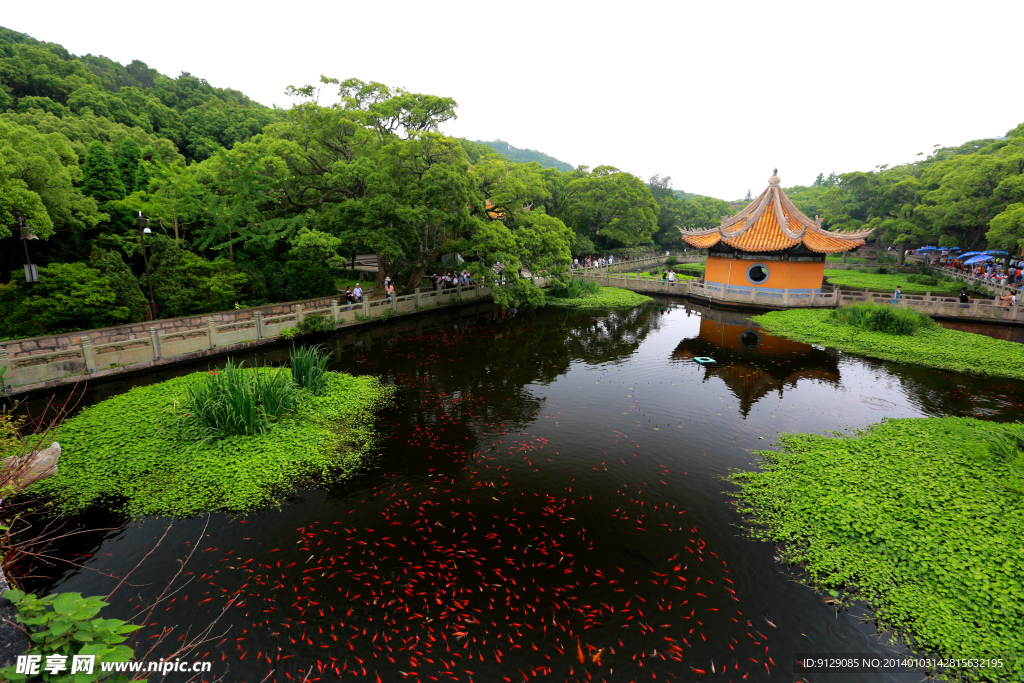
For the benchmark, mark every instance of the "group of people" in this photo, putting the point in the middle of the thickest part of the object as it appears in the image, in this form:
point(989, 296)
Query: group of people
point(1011, 275)
point(451, 280)
point(594, 261)
point(354, 296)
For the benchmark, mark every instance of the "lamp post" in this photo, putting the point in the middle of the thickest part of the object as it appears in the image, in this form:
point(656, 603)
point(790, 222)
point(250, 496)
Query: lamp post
point(141, 221)
point(31, 270)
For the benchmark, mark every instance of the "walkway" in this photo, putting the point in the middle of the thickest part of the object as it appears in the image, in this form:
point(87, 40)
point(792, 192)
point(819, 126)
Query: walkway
point(988, 311)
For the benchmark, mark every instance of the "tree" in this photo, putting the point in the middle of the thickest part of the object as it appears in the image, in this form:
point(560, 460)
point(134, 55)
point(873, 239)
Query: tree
point(37, 177)
point(68, 296)
point(1007, 229)
point(127, 292)
point(185, 284)
point(612, 206)
point(102, 180)
point(128, 164)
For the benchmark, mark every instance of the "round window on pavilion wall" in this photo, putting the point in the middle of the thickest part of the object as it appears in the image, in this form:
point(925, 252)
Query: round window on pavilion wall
point(757, 273)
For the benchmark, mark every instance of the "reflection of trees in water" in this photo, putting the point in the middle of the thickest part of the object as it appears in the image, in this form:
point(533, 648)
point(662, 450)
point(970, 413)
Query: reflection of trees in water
point(610, 336)
point(465, 378)
point(941, 392)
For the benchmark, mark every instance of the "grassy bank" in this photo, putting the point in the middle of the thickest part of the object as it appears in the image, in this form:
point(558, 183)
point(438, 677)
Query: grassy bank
point(917, 517)
point(932, 346)
point(137, 451)
point(912, 284)
point(603, 297)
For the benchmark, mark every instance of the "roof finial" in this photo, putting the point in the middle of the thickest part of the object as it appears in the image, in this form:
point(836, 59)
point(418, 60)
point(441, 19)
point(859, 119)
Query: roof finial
point(775, 171)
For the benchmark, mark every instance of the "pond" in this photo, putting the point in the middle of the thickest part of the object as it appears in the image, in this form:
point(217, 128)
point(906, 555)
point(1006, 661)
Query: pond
point(548, 501)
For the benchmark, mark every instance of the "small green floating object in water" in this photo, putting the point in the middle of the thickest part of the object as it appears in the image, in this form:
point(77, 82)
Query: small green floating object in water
point(704, 360)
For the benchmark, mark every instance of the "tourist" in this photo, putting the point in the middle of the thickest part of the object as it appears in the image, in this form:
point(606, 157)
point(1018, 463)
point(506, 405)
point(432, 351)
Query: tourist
point(671, 277)
point(964, 299)
point(348, 296)
point(389, 290)
point(897, 294)
point(357, 294)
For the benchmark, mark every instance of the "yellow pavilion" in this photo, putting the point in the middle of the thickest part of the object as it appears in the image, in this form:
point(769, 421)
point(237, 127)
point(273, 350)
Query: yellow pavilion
point(770, 245)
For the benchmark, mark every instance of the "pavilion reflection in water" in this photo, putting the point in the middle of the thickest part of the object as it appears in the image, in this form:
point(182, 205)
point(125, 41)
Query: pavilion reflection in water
point(752, 362)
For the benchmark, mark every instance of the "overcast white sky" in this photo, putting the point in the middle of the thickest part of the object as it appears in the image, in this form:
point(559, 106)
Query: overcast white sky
point(714, 94)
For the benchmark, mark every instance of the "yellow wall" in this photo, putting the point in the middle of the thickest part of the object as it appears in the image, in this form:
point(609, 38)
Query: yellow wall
point(782, 274)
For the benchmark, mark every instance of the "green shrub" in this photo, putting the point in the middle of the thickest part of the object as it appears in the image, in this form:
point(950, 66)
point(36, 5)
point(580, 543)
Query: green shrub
point(234, 401)
point(671, 261)
point(885, 319)
point(886, 258)
point(68, 296)
point(66, 625)
point(317, 322)
point(922, 279)
point(309, 368)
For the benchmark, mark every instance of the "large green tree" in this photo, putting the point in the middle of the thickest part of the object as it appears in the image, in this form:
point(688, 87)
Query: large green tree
point(128, 156)
point(612, 207)
point(102, 181)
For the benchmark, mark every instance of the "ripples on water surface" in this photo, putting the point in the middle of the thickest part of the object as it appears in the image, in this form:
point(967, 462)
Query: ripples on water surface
point(548, 502)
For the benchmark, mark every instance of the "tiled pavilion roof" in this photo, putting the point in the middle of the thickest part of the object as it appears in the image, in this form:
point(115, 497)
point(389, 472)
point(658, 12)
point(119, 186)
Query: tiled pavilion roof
point(772, 223)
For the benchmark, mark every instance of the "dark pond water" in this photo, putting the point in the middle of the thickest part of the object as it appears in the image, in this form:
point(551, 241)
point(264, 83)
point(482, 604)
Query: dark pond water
point(548, 501)
point(1004, 332)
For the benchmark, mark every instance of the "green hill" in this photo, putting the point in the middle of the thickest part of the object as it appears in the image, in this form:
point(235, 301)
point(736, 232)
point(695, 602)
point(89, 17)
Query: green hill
point(525, 156)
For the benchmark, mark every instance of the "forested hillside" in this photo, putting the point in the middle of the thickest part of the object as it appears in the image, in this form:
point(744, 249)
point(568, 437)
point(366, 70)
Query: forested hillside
point(971, 196)
point(525, 156)
point(249, 204)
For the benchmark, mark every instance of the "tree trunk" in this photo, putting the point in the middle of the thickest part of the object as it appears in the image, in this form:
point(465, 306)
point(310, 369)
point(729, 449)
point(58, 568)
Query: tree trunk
point(383, 270)
point(418, 271)
point(900, 255)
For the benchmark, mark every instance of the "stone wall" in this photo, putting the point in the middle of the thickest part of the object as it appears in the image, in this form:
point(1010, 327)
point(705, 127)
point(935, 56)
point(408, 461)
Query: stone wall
point(107, 335)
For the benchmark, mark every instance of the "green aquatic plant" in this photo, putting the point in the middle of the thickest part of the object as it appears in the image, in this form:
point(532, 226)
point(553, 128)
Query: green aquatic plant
point(1007, 444)
point(934, 347)
point(887, 319)
point(912, 515)
point(129, 452)
point(309, 368)
point(575, 289)
point(234, 401)
point(607, 297)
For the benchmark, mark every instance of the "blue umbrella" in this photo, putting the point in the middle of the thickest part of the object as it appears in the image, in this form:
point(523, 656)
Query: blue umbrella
point(979, 259)
point(927, 249)
point(1004, 253)
point(969, 254)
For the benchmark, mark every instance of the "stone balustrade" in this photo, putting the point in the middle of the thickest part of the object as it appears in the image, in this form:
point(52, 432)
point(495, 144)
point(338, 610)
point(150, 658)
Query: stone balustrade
point(45, 362)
